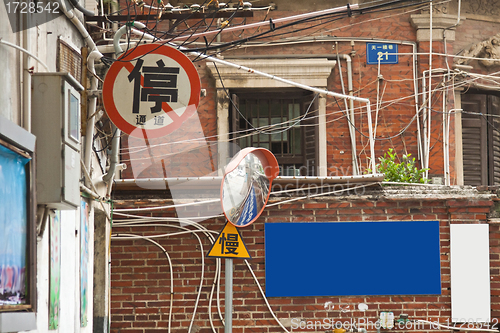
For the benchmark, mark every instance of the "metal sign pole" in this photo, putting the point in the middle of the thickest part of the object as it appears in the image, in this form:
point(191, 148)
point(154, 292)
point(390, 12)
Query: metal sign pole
point(228, 297)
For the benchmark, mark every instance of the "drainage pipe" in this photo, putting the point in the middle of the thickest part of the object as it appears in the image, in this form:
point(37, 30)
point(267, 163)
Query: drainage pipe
point(115, 142)
point(350, 110)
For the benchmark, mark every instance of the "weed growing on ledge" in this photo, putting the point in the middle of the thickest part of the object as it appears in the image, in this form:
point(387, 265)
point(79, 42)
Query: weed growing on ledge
point(404, 172)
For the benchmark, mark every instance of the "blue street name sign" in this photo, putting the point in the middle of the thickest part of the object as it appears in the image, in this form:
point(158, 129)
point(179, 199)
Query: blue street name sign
point(385, 53)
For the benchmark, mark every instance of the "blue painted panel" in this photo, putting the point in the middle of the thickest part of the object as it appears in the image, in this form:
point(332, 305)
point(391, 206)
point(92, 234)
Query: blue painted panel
point(386, 53)
point(352, 258)
point(13, 226)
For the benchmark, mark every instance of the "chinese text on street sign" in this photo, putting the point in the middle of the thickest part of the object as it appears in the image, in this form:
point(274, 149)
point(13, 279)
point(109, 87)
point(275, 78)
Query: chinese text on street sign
point(229, 244)
point(151, 90)
point(383, 53)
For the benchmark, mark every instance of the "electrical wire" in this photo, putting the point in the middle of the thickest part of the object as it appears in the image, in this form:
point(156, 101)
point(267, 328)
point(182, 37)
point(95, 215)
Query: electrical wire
point(118, 236)
point(147, 238)
point(187, 231)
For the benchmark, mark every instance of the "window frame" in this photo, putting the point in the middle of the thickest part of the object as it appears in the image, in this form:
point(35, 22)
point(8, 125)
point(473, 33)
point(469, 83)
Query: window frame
point(311, 72)
point(283, 97)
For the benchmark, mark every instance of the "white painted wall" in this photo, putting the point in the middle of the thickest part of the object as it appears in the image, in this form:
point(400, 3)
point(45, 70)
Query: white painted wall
point(9, 72)
point(70, 276)
point(42, 42)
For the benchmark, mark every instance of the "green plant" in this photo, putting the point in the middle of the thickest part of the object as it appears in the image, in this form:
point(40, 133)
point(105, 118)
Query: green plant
point(404, 172)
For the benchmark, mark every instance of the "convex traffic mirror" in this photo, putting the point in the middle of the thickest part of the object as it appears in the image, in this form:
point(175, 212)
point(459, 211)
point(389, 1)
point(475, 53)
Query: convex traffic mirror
point(246, 185)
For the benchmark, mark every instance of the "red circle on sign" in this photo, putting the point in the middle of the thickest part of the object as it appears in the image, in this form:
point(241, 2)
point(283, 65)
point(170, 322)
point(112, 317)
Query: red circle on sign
point(124, 63)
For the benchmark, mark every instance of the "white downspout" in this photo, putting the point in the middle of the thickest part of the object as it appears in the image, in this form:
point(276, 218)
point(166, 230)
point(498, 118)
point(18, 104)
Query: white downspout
point(26, 75)
point(447, 116)
point(94, 54)
point(429, 117)
point(89, 135)
point(350, 111)
point(115, 142)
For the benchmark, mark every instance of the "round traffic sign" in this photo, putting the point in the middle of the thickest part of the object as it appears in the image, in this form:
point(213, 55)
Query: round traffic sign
point(151, 90)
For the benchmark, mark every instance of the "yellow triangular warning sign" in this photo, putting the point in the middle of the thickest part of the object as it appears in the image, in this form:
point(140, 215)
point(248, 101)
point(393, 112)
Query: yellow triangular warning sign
point(229, 244)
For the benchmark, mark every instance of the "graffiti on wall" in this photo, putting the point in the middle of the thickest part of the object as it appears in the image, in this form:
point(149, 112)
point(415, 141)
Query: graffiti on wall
point(55, 270)
point(84, 261)
point(13, 223)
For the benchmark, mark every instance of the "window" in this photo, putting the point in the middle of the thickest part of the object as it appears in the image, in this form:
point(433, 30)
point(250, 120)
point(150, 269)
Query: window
point(74, 117)
point(272, 120)
point(481, 139)
point(310, 72)
point(17, 237)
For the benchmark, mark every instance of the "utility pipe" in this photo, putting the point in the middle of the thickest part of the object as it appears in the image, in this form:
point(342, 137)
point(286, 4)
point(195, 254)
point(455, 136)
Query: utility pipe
point(359, 39)
point(89, 135)
point(78, 24)
point(119, 33)
point(426, 119)
point(429, 117)
point(115, 142)
point(306, 87)
point(350, 109)
point(446, 147)
point(26, 84)
point(447, 116)
point(25, 51)
point(94, 54)
point(84, 10)
point(266, 23)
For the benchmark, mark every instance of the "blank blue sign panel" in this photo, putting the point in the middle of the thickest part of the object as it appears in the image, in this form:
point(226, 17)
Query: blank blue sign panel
point(352, 258)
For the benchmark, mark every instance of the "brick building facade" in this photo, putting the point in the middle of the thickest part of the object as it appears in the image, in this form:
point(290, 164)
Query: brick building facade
point(141, 294)
point(330, 53)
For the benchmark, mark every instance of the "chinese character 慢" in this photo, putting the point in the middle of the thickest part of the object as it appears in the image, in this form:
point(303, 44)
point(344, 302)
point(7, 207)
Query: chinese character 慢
point(159, 85)
point(230, 243)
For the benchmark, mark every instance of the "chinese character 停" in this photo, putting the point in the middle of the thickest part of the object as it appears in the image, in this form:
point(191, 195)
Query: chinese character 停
point(159, 85)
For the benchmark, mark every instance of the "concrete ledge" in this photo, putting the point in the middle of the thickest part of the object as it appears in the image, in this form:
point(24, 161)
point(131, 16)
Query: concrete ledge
point(17, 321)
point(311, 72)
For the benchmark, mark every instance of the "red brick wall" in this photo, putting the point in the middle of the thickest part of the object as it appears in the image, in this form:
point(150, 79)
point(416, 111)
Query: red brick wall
point(392, 118)
point(141, 280)
point(395, 90)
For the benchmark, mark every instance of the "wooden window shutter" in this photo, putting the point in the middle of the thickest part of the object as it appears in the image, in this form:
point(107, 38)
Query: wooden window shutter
point(68, 60)
point(234, 124)
point(311, 137)
point(474, 140)
point(494, 139)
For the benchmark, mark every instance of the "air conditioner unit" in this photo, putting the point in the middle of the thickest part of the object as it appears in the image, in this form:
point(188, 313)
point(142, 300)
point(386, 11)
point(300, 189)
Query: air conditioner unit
point(55, 115)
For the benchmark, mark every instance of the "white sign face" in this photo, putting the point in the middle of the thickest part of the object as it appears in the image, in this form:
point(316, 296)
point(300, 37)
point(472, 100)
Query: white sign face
point(151, 90)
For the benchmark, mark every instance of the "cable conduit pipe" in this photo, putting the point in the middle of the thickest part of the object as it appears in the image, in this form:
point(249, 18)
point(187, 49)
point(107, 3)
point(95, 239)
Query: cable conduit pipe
point(25, 51)
point(350, 108)
point(266, 23)
point(84, 10)
point(186, 231)
point(299, 85)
